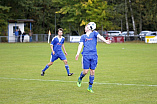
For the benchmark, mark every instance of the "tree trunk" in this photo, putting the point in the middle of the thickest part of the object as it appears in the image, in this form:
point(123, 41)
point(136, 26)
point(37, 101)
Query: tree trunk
point(155, 17)
point(126, 18)
point(43, 22)
point(132, 16)
point(102, 30)
point(140, 21)
point(140, 17)
point(121, 25)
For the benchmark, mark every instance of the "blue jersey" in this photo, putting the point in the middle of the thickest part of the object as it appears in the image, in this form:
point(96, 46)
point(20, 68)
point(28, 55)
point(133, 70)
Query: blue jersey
point(57, 44)
point(89, 43)
point(16, 33)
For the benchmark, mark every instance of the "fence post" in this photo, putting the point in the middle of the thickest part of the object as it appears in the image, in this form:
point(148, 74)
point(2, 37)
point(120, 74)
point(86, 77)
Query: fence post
point(36, 37)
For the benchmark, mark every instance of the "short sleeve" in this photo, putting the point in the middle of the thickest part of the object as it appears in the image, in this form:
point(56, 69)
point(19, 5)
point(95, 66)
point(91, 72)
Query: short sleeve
point(96, 34)
point(63, 40)
point(52, 42)
point(82, 38)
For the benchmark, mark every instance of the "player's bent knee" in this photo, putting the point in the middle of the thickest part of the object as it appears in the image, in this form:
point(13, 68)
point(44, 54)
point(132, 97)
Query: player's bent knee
point(92, 72)
point(65, 62)
point(85, 71)
point(49, 64)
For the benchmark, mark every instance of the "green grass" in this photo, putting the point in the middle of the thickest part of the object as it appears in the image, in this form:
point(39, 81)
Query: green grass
point(119, 64)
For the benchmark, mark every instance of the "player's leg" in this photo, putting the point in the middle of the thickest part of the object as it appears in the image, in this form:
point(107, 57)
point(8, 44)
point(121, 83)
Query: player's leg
point(67, 68)
point(52, 59)
point(91, 80)
point(83, 73)
point(46, 67)
point(85, 66)
point(92, 72)
point(63, 58)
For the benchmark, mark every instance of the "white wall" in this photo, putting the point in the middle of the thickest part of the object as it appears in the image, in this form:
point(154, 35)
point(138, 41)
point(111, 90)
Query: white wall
point(11, 35)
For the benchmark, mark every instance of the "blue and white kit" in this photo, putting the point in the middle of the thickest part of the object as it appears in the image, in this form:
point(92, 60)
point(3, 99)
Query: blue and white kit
point(89, 53)
point(57, 48)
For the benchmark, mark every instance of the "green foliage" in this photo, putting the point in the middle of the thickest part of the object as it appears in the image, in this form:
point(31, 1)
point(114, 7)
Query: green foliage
point(98, 11)
point(92, 10)
point(74, 14)
point(3, 19)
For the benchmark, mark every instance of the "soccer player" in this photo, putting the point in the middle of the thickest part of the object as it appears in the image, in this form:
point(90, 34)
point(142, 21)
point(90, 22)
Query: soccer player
point(57, 44)
point(89, 53)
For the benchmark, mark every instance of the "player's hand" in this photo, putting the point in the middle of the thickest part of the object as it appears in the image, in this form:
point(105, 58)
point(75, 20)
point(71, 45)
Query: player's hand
point(108, 41)
point(53, 52)
point(66, 54)
point(76, 57)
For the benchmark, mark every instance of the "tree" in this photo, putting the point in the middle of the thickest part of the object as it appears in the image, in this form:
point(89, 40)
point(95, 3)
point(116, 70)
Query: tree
point(126, 17)
point(72, 15)
point(79, 13)
point(99, 12)
point(132, 16)
point(3, 18)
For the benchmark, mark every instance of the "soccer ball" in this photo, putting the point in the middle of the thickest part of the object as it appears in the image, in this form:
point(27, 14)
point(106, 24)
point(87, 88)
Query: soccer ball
point(91, 25)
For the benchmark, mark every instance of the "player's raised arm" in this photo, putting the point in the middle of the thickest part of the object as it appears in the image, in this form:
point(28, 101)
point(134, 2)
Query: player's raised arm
point(64, 49)
point(103, 39)
point(79, 50)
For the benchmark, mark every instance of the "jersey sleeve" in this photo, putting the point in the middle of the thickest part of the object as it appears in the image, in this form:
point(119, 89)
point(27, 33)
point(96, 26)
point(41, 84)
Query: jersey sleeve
point(82, 38)
point(63, 40)
point(96, 34)
point(52, 42)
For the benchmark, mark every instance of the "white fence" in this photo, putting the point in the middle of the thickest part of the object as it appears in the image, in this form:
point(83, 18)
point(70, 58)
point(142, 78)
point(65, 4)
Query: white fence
point(34, 38)
point(44, 38)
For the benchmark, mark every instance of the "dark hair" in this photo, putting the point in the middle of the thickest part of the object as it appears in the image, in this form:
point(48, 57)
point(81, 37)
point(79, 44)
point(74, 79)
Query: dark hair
point(60, 29)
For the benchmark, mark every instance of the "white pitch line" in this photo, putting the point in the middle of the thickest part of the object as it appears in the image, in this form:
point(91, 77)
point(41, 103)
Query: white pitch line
point(82, 82)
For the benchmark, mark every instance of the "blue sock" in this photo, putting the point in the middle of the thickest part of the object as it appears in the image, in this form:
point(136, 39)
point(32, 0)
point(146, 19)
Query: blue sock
point(46, 67)
point(91, 79)
point(81, 75)
point(67, 68)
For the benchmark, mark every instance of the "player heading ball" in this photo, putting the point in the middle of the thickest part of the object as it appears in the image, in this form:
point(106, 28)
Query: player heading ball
point(89, 53)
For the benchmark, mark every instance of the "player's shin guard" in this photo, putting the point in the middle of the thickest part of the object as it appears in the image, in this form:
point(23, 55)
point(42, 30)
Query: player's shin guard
point(91, 79)
point(81, 75)
point(67, 68)
point(46, 67)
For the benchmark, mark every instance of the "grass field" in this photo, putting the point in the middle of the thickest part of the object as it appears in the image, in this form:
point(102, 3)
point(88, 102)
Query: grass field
point(126, 74)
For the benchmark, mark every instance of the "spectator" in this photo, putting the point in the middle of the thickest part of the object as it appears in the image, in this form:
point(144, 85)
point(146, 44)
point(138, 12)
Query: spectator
point(106, 33)
point(19, 35)
point(30, 34)
point(23, 35)
point(16, 35)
